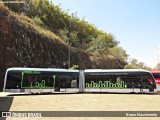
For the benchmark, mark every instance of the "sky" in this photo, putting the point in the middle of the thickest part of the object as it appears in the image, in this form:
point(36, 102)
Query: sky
point(134, 23)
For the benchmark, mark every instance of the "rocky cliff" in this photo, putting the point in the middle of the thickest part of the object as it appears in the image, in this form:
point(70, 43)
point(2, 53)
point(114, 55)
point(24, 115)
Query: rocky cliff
point(24, 44)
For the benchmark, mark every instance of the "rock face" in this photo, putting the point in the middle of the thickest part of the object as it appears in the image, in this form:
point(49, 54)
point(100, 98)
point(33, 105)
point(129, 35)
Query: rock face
point(22, 46)
point(5, 43)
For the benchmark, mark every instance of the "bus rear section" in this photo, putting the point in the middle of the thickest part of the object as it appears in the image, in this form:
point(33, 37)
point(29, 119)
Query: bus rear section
point(119, 81)
point(34, 80)
point(156, 75)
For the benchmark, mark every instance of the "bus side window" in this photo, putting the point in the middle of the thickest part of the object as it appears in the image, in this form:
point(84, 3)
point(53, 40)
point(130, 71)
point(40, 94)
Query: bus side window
point(74, 84)
point(118, 79)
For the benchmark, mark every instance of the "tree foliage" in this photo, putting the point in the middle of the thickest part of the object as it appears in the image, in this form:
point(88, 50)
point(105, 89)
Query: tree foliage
point(75, 67)
point(98, 44)
point(37, 20)
point(70, 38)
point(120, 54)
point(135, 64)
point(157, 67)
point(74, 31)
point(54, 17)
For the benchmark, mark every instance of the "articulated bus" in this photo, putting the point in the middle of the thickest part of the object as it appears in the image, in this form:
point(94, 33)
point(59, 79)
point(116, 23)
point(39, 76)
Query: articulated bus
point(156, 75)
point(41, 80)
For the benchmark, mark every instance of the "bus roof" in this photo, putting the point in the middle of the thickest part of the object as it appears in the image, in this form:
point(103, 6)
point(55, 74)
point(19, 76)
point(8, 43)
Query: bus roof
point(116, 70)
point(86, 70)
point(42, 69)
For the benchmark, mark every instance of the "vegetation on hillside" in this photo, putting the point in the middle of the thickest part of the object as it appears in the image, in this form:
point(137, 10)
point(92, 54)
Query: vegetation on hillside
point(57, 20)
point(135, 64)
point(157, 67)
point(74, 31)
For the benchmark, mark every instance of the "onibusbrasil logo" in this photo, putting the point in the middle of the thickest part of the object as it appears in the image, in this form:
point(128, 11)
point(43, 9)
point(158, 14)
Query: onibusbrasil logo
point(12, 1)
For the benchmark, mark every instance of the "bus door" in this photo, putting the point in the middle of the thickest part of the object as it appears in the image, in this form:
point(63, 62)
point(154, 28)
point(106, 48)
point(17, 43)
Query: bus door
point(138, 84)
point(57, 85)
point(135, 84)
point(60, 84)
point(144, 82)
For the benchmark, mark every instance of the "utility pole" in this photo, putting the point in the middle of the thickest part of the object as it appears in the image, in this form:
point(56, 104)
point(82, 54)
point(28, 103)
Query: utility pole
point(69, 50)
point(69, 59)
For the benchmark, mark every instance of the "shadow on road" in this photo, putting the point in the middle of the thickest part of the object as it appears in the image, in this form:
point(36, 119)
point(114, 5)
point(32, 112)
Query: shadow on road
point(5, 105)
point(158, 93)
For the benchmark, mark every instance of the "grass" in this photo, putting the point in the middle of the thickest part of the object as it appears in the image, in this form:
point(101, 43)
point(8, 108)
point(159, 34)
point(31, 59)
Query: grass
point(43, 31)
point(30, 24)
point(87, 102)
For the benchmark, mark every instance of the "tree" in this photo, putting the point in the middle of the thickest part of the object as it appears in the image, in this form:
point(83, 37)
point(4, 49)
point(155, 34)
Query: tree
point(37, 20)
point(141, 64)
point(69, 37)
point(157, 67)
point(134, 61)
point(120, 54)
point(135, 64)
point(99, 44)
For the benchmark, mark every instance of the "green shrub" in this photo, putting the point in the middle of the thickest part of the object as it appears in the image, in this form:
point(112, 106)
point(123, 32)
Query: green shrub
point(74, 67)
point(37, 20)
